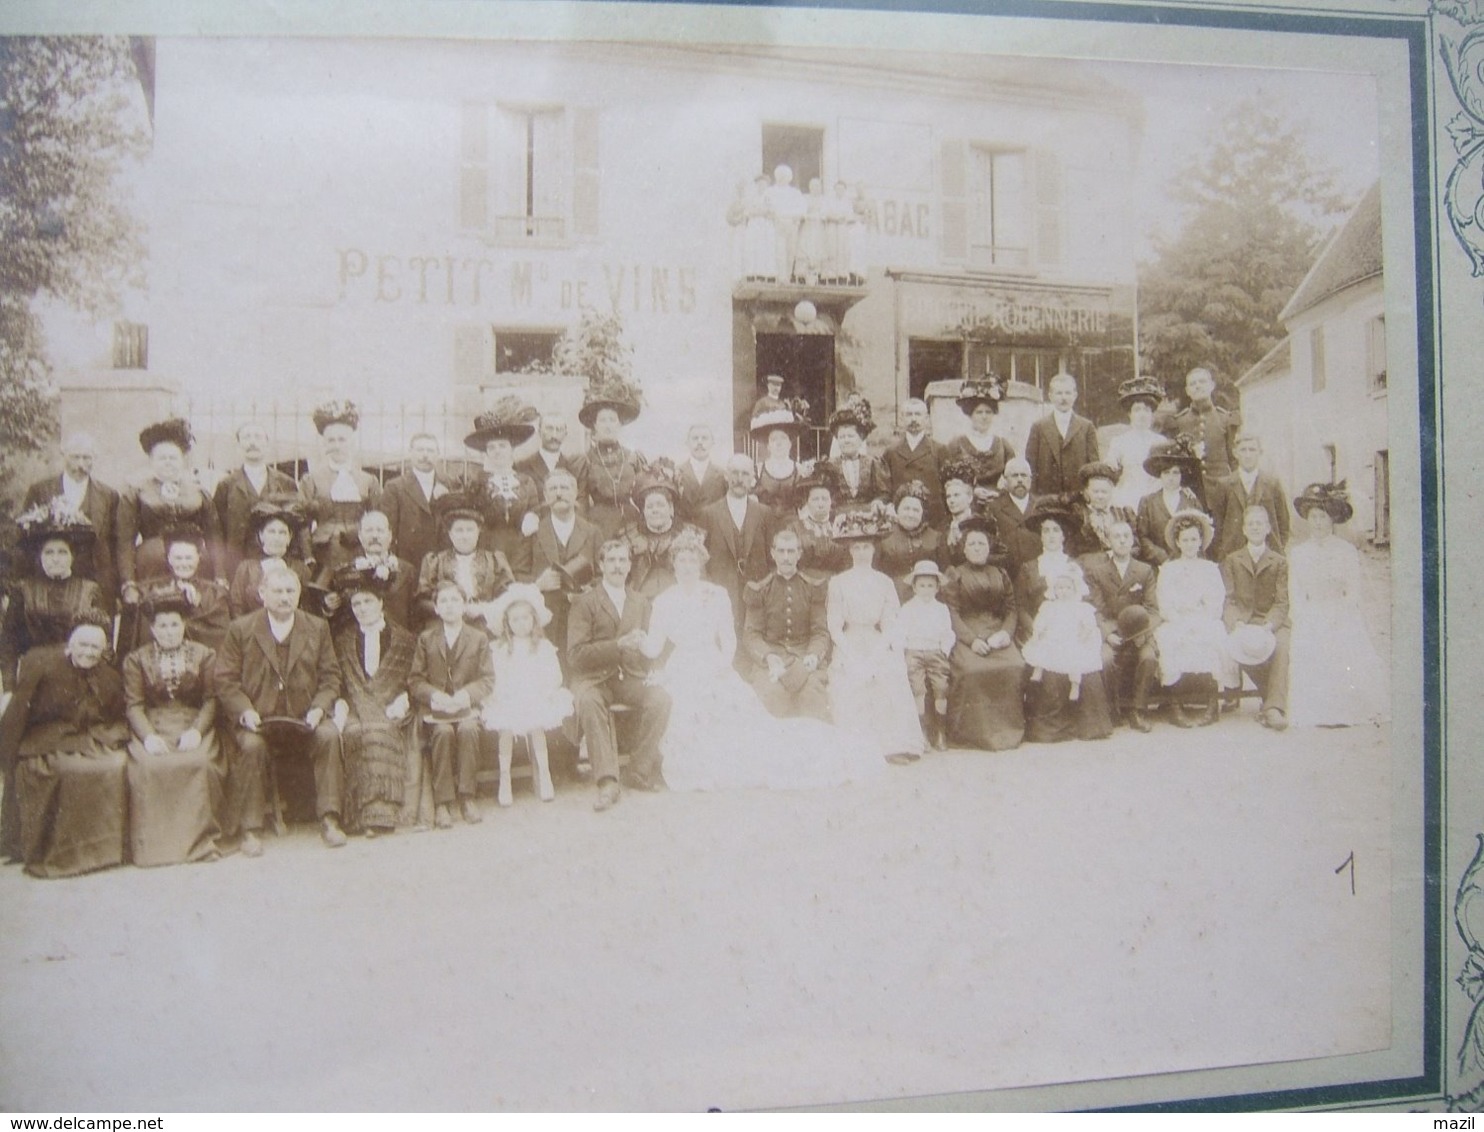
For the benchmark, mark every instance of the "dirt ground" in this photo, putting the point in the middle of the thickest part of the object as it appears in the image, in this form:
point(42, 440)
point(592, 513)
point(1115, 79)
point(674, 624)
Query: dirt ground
point(1054, 913)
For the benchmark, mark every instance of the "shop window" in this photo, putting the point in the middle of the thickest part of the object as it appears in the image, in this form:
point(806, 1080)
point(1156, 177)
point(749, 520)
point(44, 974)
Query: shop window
point(1375, 354)
point(931, 359)
point(1316, 359)
point(1031, 366)
point(801, 148)
point(130, 345)
point(516, 351)
point(529, 174)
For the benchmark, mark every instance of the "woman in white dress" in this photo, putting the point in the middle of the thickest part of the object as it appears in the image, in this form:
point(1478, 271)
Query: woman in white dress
point(1335, 676)
point(1128, 451)
point(869, 691)
point(720, 736)
point(1191, 638)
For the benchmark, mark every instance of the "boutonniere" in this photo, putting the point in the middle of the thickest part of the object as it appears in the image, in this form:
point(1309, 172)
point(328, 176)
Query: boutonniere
point(1136, 587)
point(439, 490)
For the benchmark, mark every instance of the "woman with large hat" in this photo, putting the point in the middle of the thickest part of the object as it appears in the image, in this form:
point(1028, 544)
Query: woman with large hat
point(1096, 510)
point(509, 498)
point(1175, 464)
point(1336, 678)
point(611, 469)
point(777, 429)
point(1141, 397)
point(984, 705)
point(336, 492)
point(177, 772)
point(863, 477)
point(208, 612)
point(1191, 637)
point(910, 540)
point(374, 711)
point(273, 524)
point(168, 497)
point(980, 401)
point(47, 598)
point(870, 695)
point(815, 496)
point(480, 574)
point(961, 487)
point(652, 536)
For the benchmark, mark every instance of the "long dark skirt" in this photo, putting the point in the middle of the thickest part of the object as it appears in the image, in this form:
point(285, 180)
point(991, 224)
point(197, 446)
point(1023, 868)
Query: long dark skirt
point(375, 772)
point(1051, 717)
point(175, 799)
point(72, 811)
point(984, 705)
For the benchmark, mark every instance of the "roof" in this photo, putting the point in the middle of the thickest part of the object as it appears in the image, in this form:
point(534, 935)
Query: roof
point(1276, 361)
point(1351, 255)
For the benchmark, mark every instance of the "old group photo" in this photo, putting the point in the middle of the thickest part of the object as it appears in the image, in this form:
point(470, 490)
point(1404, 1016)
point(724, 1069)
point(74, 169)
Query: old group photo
point(905, 481)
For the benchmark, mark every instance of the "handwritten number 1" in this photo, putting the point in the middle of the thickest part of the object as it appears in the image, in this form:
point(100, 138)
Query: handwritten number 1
point(1350, 861)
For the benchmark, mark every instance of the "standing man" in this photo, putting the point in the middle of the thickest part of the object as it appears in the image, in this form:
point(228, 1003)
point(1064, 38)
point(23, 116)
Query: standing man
point(1256, 615)
point(564, 555)
point(549, 456)
point(1212, 430)
point(786, 635)
point(1061, 442)
point(242, 489)
point(279, 663)
point(1122, 594)
point(97, 501)
point(1009, 508)
point(700, 482)
point(916, 456)
point(605, 639)
point(1249, 486)
point(408, 502)
point(737, 528)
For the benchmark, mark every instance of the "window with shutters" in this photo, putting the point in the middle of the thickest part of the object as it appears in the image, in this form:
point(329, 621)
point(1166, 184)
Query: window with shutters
point(999, 208)
point(1002, 207)
point(529, 174)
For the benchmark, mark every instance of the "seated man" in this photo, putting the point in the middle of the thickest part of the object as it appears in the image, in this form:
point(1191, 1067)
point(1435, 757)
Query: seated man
point(786, 636)
point(279, 662)
point(1119, 583)
point(1256, 615)
point(564, 554)
point(605, 636)
point(452, 676)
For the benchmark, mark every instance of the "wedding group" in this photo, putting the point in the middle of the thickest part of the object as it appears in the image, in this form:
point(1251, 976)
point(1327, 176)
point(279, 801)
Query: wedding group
point(173, 656)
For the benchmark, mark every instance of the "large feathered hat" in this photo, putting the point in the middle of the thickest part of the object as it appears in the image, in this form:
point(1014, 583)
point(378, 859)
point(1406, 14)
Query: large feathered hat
point(175, 430)
point(164, 597)
point(824, 475)
point(988, 390)
point(964, 470)
point(184, 532)
point(849, 526)
point(659, 476)
point(1096, 470)
point(1333, 498)
point(458, 504)
point(289, 509)
point(1177, 453)
point(1142, 388)
point(1049, 507)
point(338, 410)
point(624, 397)
point(362, 577)
point(856, 415)
point(791, 417)
point(55, 520)
point(510, 419)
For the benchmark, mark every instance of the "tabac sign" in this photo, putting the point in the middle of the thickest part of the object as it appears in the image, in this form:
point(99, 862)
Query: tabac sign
point(997, 313)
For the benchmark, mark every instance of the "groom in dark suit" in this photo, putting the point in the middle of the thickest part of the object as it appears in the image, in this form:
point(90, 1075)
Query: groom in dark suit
point(737, 527)
point(604, 637)
point(1061, 442)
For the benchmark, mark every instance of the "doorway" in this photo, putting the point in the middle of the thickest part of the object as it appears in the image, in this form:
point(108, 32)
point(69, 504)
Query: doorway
point(806, 362)
point(801, 148)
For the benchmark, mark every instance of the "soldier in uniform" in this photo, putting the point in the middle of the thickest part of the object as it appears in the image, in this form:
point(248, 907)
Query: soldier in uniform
point(1212, 430)
point(786, 636)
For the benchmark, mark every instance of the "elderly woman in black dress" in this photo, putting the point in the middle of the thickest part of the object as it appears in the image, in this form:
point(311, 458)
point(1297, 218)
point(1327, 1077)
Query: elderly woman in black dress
point(611, 470)
point(984, 705)
point(274, 524)
point(167, 499)
point(508, 498)
point(336, 492)
point(177, 772)
point(46, 601)
point(207, 605)
point(910, 540)
point(816, 496)
point(651, 537)
point(62, 743)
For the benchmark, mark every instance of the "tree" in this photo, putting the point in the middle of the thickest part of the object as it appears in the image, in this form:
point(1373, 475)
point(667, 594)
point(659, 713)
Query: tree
point(1256, 207)
point(67, 234)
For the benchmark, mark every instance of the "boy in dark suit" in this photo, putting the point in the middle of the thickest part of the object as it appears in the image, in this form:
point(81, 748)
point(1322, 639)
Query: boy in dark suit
point(1061, 442)
point(1256, 615)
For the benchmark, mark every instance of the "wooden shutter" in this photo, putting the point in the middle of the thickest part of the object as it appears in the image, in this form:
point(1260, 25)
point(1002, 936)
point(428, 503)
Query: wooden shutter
point(953, 189)
point(473, 353)
point(1049, 208)
point(585, 211)
point(474, 168)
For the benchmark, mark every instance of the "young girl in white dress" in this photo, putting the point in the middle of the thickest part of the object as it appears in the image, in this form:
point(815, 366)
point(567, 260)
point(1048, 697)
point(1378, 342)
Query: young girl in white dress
point(1065, 636)
point(529, 698)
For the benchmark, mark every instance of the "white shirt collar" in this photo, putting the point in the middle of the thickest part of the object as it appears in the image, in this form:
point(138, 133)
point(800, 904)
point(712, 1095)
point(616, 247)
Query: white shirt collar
point(425, 481)
point(368, 630)
point(1024, 504)
point(738, 508)
point(700, 470)
point(280, 629)
point(73, 490)
point(1256, 551)
point(550, 459)
point(564, 527)
point(615, 595)
point(915, 442)
point(451, 635)
point(257, 475)
point(1248, 478)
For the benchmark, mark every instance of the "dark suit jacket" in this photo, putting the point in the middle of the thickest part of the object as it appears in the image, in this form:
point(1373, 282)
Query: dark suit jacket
point(874, 483)
point(1055, 462)
point(235, 498)
point(1019, 543)
point(466, 667)
point(737, 557)
point(1231, 502)
point(535, 467)
point(1110, 594)
point(416, 533)
point(904, 465)
point(1255, 592)
point(246, 670)
point(100, 503)
point(696, 495)
point(1149, 525)
point(593, 629)
point(577, 561)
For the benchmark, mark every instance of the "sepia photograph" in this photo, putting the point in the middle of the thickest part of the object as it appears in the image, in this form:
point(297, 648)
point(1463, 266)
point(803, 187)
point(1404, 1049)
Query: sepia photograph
point(625, 557)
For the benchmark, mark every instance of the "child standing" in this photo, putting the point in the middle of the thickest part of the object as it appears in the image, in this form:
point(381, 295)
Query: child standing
point(926, 633)
point(1065, 637)
point(529, 698)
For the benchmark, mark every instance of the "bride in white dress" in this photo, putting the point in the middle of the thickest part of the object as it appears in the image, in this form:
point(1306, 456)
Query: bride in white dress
point(720, 736)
